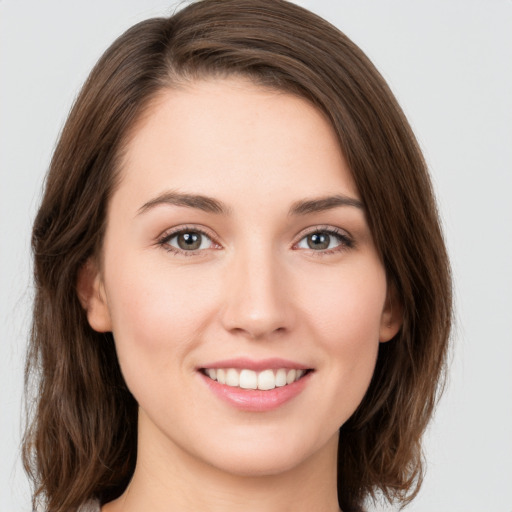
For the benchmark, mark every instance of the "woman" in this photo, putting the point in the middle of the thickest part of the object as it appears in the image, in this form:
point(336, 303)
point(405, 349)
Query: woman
point(243, 296)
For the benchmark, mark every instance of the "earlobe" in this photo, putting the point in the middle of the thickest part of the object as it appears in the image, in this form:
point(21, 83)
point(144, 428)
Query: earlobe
point(392, 316)
point(92, 297)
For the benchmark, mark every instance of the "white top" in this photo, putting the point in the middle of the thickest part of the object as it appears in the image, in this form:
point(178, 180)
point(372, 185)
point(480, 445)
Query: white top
point(90, 506)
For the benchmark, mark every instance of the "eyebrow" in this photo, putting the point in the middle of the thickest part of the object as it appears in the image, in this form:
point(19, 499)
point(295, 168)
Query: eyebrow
point(197, 201)
point(210, 205)
point(323, 203)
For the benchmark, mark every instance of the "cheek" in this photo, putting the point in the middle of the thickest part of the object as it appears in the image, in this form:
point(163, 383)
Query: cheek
point(347, 304)
point(345, 321)
point(157, 317)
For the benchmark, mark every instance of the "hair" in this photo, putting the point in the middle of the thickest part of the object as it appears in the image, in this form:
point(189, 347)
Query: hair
point(81, 437)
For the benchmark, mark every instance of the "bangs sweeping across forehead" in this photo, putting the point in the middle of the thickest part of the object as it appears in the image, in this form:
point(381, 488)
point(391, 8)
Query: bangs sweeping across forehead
point(84, 444)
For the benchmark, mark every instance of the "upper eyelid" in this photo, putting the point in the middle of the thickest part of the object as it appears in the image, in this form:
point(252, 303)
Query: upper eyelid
point(167, 235)
point(322, 229)
point(170, 232)
point(345, 238)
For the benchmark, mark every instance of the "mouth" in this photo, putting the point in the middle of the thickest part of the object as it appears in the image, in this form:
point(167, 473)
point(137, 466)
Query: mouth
point(264, 380)
point(253, 385)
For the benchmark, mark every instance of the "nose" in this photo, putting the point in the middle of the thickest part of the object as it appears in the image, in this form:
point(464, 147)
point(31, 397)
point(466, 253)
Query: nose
point(257, 300)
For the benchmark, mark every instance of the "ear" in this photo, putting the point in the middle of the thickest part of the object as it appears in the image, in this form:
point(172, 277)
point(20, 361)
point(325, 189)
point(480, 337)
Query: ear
point(91, 294)
point(392, 315)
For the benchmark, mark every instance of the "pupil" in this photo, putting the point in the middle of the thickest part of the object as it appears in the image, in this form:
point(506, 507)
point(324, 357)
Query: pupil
point(189, 241)
point(318, 241)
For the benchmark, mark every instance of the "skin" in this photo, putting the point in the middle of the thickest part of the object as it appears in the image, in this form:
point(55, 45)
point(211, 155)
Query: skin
point(254, 289)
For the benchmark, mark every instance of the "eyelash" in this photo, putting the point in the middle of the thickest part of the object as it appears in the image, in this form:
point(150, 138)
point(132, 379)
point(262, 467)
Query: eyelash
point(345, 241)
point(164, 240)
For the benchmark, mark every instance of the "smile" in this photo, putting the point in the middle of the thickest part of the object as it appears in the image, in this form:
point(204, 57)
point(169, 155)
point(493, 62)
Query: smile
point(264, 380)
point(256, 385)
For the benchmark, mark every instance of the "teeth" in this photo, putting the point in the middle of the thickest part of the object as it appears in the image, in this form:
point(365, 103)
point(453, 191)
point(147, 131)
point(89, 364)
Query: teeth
point(221, 376)
point(232, 378)
point(249, 379)
point(266, 380)
point(280, 378)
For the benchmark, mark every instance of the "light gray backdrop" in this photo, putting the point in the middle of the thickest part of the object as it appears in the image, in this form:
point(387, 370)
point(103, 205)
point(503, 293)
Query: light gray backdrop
point(450, 64)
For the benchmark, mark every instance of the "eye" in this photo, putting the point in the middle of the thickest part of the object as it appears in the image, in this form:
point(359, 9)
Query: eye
point(187, 240)
point(325, 240)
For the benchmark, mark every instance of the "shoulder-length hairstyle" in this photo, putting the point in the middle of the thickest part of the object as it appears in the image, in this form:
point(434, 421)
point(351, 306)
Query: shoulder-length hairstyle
point(81, 440)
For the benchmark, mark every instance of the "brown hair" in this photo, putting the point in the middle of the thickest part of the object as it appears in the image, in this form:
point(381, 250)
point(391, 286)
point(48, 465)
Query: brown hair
point(81, 441)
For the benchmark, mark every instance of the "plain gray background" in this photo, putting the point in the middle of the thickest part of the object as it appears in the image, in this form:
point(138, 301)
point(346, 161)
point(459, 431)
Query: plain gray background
point(450, 64)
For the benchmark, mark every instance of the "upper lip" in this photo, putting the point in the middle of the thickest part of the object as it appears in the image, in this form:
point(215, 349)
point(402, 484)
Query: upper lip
point(241, 363)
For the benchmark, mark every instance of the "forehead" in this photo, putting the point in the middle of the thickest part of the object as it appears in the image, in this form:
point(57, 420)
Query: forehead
point(230, 138)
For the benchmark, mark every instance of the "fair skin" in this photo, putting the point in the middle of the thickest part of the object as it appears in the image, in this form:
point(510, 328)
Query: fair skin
point(221, 251)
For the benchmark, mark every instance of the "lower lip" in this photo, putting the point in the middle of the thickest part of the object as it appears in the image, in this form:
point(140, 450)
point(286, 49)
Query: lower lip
point(255, 400)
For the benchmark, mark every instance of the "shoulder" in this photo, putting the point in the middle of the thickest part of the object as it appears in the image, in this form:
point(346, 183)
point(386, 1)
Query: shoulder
point(90, 506)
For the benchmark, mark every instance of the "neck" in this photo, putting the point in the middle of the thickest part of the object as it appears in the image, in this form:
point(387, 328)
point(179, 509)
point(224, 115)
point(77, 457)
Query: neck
point(167, 478)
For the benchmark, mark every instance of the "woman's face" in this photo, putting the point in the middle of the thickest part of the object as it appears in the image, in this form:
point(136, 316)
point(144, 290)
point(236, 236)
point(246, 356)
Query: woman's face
point(237, 248)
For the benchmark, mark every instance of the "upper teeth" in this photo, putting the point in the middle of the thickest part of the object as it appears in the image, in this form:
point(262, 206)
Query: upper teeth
point(249, 379)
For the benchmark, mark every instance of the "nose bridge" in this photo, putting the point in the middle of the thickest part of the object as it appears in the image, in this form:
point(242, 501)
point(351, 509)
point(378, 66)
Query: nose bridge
point(256, 301)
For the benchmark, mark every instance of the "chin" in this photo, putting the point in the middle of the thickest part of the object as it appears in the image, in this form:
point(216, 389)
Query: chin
point(268, 457)
point(258, 465)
